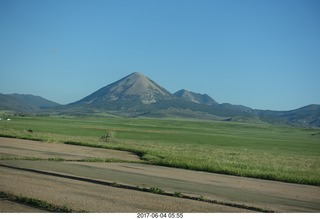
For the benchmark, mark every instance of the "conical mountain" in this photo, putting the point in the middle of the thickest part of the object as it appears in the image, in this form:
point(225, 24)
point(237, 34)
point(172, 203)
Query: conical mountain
point(133, 88)
point(195, 97)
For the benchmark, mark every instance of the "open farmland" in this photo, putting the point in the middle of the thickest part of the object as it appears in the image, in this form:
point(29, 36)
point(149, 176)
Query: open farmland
point(252, 150)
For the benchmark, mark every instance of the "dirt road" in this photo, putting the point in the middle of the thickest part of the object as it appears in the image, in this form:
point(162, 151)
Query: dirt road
point(263, 194)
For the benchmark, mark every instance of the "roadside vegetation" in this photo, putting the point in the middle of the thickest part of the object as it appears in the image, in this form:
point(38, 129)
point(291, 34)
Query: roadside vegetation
point(251, 150)
point(36, 203)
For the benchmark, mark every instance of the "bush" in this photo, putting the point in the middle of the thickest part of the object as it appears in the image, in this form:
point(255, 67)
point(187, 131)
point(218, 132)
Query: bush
point(156, 190)
point(109, 136)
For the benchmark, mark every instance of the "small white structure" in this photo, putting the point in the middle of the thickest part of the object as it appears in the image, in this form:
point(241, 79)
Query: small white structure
point(8, 119)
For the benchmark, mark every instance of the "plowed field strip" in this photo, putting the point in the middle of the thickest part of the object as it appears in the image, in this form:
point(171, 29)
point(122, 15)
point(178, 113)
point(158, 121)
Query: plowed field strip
point(45, 150)
point(123, 186)
point(93, 196)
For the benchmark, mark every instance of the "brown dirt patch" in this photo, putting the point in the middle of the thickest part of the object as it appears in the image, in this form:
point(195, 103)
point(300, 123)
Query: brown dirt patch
point(18, 147)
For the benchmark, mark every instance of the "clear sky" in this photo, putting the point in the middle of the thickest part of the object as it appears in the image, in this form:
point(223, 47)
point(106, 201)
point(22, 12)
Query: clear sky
point(264, 54)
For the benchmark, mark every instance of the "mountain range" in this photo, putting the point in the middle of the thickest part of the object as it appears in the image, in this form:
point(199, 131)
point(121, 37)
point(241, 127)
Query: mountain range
point(138, 96)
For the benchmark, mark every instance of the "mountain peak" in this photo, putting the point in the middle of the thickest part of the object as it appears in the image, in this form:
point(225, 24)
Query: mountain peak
point(134, 87)
point(195, 97)
point(137, 74)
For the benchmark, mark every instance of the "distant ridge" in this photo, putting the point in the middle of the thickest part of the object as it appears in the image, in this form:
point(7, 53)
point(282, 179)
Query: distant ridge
point(25, 103)
point(307, 116)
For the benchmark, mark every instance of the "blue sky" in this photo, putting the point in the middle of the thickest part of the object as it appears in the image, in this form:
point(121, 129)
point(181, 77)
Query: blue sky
point(264, 54)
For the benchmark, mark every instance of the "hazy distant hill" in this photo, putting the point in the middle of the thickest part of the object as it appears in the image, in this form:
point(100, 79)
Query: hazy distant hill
point(307, 116)
point(195, 97)
point(24, 103)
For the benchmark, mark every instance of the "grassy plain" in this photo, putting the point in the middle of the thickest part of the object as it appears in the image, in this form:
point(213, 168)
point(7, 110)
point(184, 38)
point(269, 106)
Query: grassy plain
point(252, 150)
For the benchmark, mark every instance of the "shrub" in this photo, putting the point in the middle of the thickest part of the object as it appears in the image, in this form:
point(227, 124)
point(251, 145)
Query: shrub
point(156, 190)
point(178, 194)
point(109, 136)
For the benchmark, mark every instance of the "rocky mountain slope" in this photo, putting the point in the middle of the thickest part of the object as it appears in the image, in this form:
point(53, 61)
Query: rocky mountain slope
point(195, 97)
point(133, 88)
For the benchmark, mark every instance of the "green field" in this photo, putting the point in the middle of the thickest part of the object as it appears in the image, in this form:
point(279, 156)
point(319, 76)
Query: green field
point(253, 150)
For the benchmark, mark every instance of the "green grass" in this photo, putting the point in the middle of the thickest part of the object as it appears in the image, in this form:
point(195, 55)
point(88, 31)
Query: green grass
point(252, 150)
